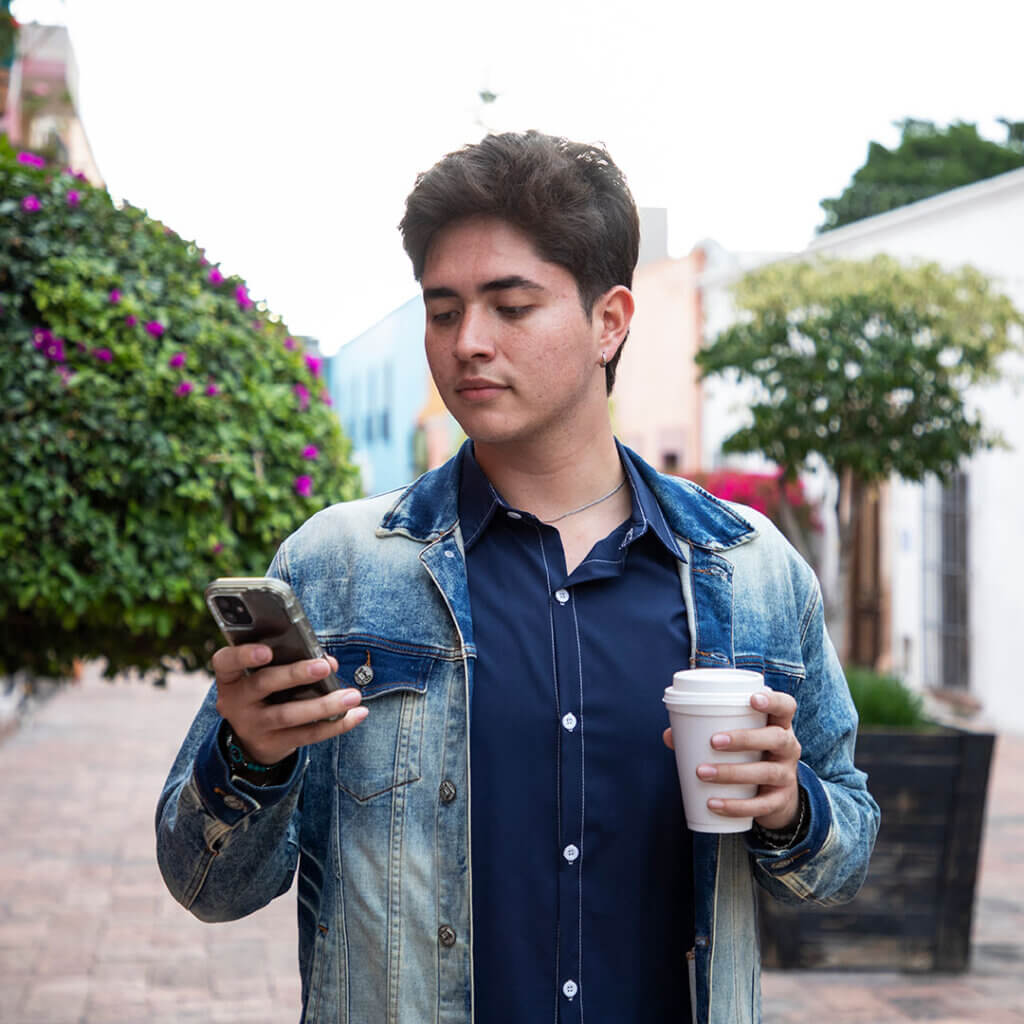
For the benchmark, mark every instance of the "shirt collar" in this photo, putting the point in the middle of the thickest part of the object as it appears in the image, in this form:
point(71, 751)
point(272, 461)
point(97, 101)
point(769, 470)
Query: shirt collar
point(478, 502)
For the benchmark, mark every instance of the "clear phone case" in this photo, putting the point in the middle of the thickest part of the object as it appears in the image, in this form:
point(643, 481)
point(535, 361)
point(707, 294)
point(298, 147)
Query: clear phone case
point(258, 609)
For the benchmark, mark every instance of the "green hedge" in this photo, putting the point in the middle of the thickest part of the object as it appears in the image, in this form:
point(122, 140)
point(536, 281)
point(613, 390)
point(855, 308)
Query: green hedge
point(158, 429)
point(884, 701)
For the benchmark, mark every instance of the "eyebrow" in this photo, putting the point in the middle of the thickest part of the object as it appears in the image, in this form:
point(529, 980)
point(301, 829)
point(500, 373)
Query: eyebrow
point(499, 284)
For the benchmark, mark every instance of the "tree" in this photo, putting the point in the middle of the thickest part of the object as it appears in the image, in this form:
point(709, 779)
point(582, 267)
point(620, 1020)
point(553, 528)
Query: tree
point(864, 365)
point(158, 429)
point(928, 160)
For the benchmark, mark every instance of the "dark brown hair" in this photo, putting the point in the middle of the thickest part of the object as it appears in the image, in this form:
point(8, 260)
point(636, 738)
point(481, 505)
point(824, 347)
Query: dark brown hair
point(568, 198)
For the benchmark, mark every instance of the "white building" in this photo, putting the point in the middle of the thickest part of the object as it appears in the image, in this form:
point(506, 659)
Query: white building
point(952, 559)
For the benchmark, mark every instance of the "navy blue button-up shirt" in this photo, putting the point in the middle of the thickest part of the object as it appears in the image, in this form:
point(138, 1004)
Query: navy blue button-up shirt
point(582, 862)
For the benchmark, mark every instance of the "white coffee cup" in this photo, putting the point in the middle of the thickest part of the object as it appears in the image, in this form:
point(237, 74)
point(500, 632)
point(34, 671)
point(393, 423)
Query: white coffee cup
point(702, 702)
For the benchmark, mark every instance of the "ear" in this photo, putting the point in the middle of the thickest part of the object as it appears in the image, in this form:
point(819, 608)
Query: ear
point(613, 313)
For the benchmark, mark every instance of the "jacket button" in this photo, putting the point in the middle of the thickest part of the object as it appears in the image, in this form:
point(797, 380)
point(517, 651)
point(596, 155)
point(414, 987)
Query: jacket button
point(446, 935)
point(447, 791)
point(363, 675)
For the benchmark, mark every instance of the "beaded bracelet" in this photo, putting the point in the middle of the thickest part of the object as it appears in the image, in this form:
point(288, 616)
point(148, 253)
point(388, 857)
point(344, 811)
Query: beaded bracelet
point(783, 838)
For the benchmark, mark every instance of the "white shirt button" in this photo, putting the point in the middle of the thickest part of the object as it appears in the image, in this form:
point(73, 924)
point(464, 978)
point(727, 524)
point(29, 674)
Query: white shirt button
point(569, 989)
point(570, 853)
point(513, 515)
point(569, 721)
point(561, 596)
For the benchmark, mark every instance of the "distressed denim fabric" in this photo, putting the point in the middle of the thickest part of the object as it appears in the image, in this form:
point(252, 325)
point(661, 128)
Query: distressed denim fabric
point(377, 821)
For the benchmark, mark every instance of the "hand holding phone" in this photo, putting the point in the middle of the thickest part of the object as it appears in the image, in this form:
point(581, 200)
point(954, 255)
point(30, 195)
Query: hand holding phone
point(276, 686)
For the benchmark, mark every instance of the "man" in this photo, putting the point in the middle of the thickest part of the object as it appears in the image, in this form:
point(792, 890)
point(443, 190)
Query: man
point(493, 831)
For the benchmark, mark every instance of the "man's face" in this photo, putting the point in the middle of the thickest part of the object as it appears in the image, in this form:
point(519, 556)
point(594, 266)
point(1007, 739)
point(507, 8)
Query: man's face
point(512, 352)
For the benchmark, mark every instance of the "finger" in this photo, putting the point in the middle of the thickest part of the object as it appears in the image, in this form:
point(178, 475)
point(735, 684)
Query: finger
point(772, 740)
point(780, 707)
point(295, 713)
point(317, 732)
point(231, 663)
point(761, 806)
point(283, 677)
point(756, 773)
point(666, 738)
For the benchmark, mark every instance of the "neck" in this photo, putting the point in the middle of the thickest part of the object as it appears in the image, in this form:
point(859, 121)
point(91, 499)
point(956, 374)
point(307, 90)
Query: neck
point(551, 480)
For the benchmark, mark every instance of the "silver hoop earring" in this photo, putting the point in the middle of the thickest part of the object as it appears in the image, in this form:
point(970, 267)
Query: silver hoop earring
point(604, 360)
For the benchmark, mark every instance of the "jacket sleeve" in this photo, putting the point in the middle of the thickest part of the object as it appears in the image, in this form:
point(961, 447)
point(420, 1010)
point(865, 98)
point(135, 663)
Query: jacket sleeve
point(225, 847)
point(829, 865)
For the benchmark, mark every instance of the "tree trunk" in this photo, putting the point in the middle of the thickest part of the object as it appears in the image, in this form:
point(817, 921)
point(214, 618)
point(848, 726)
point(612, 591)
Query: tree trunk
point(848, 502)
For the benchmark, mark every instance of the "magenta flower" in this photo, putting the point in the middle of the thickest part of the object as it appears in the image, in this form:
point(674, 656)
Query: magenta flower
point(115, 296)
point(184, 388)
point(104, 355)
point(73, 197)
point(178, 359)
point(40, 337)
point(65, 373)
point(289, 343)
point(303, 394)
point(155, 328)
point(30, 204)
point(242, 296)
point(31, 160)
point(212, 389)
point(216, 277)
point(303, 486)
point(53, 348)
point(310, 451)
point(314, 365)
point(325, 397)
point(257, 325)
point(130, 320)
point(217, 548)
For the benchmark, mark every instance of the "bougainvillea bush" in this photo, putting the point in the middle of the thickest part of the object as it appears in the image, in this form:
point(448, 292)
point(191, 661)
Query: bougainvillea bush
point(783, 501)
point(158, 429)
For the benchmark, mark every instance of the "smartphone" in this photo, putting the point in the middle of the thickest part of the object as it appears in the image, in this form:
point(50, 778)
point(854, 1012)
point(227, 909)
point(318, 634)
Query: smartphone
point(257, 609)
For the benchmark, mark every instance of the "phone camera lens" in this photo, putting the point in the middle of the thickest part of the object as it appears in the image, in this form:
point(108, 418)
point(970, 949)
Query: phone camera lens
point(233, 610)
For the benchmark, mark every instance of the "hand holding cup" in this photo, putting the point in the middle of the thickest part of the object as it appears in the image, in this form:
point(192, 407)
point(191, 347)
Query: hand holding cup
point(746, 769)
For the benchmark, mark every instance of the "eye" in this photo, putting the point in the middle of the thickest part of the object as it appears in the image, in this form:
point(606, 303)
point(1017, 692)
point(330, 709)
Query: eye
point(514, 312)
point(445, 317)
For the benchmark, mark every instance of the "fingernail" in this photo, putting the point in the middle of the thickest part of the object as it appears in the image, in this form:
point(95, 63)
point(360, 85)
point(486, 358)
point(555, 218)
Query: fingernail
point(759, 700)
point(707, 771)
point(357, 714)
point(720, 739)
point(318, 668)
point(262, 654)
point(350, 698)
point(715, 804)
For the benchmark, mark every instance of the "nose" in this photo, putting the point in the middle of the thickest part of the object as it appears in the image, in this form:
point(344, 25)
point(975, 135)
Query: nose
point(474, 338)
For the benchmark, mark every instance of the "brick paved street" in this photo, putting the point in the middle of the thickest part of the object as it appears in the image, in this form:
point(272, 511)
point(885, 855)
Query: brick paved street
point(89, 935)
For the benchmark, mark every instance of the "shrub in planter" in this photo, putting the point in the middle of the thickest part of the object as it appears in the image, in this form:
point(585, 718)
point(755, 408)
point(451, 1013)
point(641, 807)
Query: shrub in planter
point(914, 911)
point(158, 429)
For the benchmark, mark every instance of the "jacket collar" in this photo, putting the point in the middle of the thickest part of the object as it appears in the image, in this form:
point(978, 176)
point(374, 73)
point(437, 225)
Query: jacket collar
point(429, 508)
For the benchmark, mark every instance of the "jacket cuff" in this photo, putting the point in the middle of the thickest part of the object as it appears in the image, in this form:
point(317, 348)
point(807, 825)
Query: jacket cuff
point(226, 797)
point(819, 811)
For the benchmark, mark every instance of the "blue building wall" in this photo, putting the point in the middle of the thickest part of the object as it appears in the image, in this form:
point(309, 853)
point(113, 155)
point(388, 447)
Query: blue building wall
point(379, 385)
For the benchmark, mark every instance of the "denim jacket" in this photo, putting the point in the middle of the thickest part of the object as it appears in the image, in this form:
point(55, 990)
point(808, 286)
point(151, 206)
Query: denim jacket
point(377, 820)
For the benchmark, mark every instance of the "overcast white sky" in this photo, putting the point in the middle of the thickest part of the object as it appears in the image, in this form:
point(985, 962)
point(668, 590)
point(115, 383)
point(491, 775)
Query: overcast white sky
point(285, 137)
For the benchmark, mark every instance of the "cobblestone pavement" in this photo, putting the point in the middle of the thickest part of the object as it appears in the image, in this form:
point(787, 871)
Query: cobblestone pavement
point(89, 935)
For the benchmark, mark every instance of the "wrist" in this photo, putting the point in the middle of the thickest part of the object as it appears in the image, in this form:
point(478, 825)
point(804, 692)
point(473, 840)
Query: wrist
point(792, 834)
point(242, 765)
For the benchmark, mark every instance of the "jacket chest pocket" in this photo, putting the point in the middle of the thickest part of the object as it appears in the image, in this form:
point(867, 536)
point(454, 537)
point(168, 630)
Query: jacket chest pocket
point(384, 751)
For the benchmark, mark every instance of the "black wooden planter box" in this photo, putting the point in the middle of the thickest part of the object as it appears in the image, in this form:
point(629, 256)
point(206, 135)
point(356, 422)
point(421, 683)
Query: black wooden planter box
point(914, 912)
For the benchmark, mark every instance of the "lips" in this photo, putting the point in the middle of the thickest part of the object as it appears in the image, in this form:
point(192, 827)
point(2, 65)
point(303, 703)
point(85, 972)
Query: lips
point(478, 388)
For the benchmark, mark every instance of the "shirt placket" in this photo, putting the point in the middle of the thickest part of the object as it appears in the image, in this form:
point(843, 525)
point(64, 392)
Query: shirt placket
point(571, 852)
